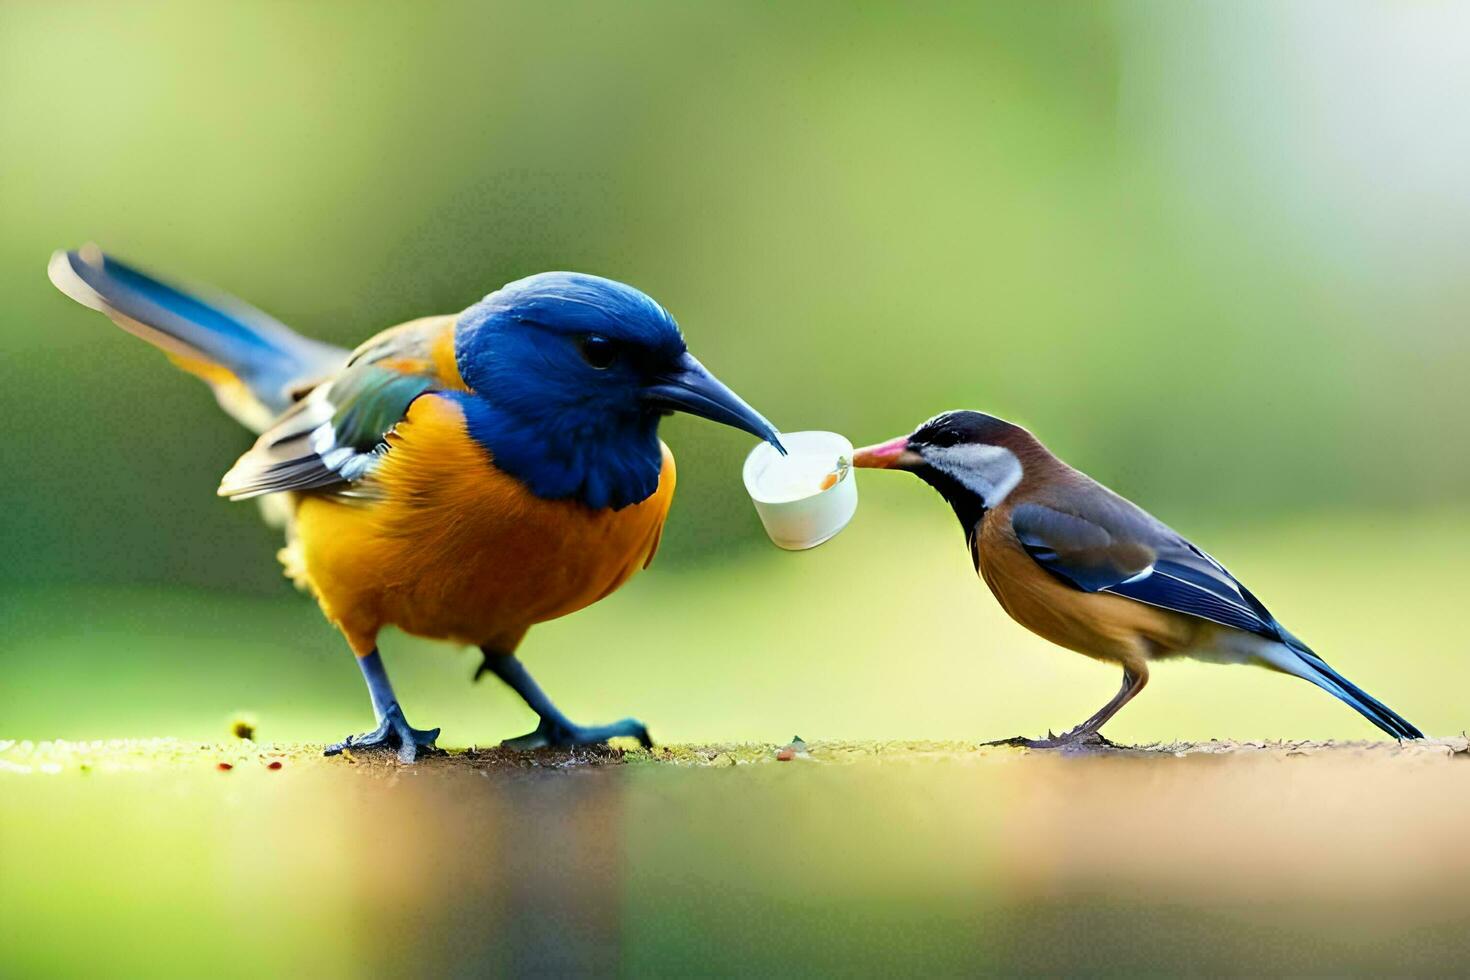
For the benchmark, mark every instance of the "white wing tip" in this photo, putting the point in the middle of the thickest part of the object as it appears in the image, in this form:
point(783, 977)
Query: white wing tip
point(1140, 575)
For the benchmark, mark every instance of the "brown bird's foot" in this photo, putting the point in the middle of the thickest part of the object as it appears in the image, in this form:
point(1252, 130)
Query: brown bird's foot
point(559, 733)
point(1075, 739)
point(394, 733)
point(1086, 736)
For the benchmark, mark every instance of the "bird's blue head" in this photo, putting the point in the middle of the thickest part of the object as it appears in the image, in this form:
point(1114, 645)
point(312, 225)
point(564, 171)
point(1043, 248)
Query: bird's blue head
point(570, 374)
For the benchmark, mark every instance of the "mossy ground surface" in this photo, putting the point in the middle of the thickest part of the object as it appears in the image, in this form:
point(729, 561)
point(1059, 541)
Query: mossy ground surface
point(22, 757)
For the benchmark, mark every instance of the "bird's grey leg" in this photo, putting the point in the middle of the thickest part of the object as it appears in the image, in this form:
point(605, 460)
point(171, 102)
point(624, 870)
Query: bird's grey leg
point(1088, 731)
point(556, 730)
point(1132, 684)
point(393, 729)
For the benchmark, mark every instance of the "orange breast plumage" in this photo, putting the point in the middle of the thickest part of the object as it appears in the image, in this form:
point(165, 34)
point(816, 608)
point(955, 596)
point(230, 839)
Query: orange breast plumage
point(452, 548)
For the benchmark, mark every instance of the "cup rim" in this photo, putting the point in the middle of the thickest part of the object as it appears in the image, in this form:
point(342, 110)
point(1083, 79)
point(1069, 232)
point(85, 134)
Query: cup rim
point(837, 438)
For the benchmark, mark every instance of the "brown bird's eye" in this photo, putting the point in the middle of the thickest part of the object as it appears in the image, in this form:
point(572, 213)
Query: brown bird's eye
point(598, 351)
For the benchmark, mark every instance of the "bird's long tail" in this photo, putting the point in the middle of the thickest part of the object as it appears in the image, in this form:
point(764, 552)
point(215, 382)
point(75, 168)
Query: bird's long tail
point(256, 366)
point(1309, 666)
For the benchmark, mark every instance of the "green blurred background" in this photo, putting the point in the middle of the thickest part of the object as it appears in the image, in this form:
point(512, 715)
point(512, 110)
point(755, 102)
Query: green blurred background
point(1213, 254)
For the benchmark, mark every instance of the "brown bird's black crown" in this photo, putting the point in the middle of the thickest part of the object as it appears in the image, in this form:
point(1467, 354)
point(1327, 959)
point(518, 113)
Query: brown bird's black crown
point(960, 427)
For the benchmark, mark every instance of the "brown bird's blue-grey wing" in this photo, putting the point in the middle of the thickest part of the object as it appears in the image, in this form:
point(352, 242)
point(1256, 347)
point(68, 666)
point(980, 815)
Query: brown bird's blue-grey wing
point(1120, 549)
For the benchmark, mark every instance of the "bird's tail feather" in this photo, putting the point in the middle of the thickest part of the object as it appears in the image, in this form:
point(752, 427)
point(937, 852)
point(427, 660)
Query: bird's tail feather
point(1319, 672)
point(255, 365)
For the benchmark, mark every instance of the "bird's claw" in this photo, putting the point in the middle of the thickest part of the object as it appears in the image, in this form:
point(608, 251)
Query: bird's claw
point(393, 732)
point(554, 734)
point(1077, 738)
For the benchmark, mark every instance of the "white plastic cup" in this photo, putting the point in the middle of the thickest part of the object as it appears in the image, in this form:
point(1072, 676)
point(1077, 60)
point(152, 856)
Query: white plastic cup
point(794, 520)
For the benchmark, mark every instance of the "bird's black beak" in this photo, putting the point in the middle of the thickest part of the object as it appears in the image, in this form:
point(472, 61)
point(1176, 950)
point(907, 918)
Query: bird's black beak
point(688, 387)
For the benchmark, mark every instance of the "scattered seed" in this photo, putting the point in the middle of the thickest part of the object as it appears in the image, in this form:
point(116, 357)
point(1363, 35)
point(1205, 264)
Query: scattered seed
point(225, 766)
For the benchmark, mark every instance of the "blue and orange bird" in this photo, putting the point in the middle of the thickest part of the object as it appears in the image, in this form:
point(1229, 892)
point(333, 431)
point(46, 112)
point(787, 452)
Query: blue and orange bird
point(461, 477)
point(1080, 566)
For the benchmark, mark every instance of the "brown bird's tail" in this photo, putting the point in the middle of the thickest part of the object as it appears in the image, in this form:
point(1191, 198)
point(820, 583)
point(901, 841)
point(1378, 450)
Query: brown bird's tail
point(1313, 668)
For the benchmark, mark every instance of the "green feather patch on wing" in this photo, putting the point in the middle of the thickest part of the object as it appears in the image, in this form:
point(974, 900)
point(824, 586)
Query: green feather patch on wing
point(332, 438)
point(370, 401)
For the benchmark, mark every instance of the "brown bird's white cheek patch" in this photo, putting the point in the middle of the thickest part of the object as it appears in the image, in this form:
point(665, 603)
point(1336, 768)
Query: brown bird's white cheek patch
point(990, 472)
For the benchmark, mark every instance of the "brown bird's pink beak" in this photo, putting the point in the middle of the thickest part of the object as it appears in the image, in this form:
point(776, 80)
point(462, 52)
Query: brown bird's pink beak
point(891, 455)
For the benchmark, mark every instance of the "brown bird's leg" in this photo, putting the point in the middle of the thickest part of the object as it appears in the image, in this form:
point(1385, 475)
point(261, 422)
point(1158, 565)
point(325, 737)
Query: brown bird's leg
point(1134, 678)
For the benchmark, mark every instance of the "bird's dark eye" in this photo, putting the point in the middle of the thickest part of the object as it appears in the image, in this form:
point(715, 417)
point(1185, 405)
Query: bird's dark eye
point(598, 351)
point(942, 438)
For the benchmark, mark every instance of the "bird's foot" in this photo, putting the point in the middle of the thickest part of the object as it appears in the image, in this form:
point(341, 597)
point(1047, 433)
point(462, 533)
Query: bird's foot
point(394, 733)
point(562, 734)
point(1077, 738)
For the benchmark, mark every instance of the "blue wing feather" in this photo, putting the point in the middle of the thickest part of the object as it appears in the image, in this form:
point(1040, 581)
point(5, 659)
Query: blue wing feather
point(1125, 552)
point(1183, 589)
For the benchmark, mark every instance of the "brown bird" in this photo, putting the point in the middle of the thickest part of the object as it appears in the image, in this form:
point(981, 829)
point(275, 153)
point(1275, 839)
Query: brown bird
point(1079, 565)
